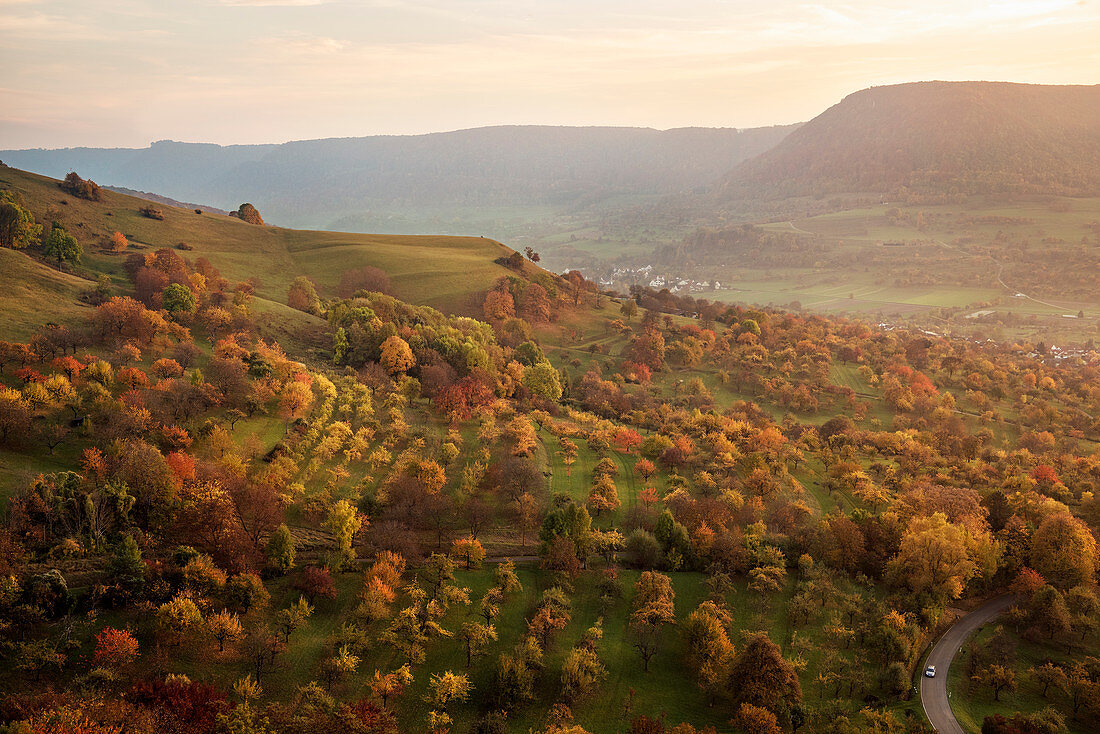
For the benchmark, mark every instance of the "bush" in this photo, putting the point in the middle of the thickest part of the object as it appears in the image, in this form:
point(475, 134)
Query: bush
point(150, 212)
point(642, 549)
point(513, 261)
point(80, 188)
point(249, 213)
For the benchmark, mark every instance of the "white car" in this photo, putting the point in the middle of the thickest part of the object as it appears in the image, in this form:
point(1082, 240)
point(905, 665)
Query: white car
point(930, 671)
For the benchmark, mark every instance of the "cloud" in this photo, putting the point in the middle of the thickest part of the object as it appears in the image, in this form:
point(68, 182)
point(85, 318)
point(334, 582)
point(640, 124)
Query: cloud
point(45, 26)
point(270, 3)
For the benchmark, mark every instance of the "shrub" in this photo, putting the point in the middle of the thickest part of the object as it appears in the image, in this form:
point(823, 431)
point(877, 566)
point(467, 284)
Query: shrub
point(249, 213)
point(80, 188)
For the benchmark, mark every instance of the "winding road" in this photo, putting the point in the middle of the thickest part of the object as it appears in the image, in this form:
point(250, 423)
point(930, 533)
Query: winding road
point(933, 691)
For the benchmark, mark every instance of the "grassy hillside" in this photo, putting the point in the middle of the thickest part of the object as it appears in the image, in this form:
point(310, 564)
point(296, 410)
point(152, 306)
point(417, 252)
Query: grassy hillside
point(33, 293)
point(448, 273)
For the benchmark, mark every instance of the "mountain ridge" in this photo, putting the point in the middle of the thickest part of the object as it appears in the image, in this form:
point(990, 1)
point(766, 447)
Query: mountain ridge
point(316, 182)
point(973, 137)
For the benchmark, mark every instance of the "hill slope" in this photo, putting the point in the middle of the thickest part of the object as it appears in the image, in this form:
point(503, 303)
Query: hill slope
point(321, 182)
point(976, 137)
point(448, 273)
point(34, 293)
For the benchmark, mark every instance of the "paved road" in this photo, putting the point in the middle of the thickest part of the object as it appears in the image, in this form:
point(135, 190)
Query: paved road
point(933, 691)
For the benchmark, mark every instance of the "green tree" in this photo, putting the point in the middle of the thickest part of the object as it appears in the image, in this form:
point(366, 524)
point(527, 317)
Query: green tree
point(126, 569)
point(178, 298)
point(62, 246)
point(280, 549)
point(543, 380)
point(1049, 612)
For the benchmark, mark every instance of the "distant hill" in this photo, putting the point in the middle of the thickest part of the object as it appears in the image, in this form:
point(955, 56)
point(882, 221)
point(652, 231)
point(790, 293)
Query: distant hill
point(319, 183)
point(934, 137)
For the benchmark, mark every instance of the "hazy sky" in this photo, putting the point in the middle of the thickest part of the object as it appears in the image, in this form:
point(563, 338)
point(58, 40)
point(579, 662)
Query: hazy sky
point(127, 72)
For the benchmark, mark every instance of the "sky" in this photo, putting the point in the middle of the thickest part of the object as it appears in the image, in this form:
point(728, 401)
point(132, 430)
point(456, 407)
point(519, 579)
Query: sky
point(125, 73)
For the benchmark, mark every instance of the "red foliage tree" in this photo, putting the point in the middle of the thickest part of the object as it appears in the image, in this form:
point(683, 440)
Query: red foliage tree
point(114, 648)
point(316, 582)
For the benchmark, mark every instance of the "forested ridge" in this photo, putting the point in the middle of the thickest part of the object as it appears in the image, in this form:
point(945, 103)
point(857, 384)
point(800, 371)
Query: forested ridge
point(936, 138)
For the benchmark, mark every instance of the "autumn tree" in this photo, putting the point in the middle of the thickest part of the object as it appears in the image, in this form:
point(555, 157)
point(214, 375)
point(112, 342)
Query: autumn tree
point(475, 637)
point(499, 305)
point(315, 582)
point(118, 242)
point(934, 557)
point(386, 686)
point(760, 676)
point(18, 229)
point(1046, 675)
point(447, 688)
point(756, 720)
point(653, 609)
point(397, 358)
point(293, 617)
point(469, 551)
point(343, 522)
point(526, 510)
point(177, 617)
point(710, 651)
point(505, 577)
point(603, 497)
point(80, 188)
point(582, 670)
point(302, 296)
point(248, 213)
point(1063, 550)
point(998, 678)
point(114, 649)
point(295, 400)
point(223, 626)
point(366, 278)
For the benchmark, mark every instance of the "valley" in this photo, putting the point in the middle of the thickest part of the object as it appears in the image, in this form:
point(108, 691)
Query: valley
point(726, 450)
